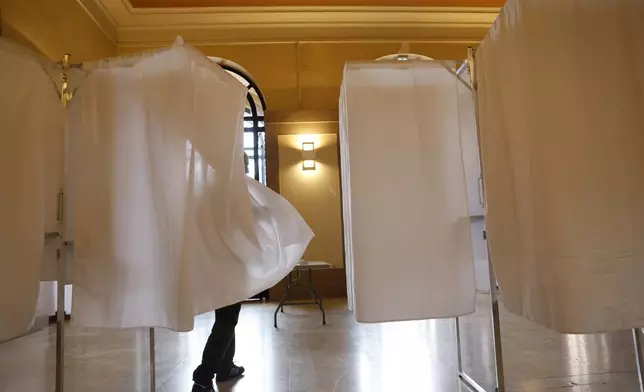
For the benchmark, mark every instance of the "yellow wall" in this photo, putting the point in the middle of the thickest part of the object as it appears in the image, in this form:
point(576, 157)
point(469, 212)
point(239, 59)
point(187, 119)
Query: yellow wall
point(315, 194)
point(56, 27)
point(307, 75)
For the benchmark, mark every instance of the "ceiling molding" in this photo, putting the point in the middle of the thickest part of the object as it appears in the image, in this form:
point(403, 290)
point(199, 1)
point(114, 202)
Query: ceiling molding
point(127, 47)
point(297, 9)
point(203, 36)
point(101, 17)
point(316, 3)
point(140, 26)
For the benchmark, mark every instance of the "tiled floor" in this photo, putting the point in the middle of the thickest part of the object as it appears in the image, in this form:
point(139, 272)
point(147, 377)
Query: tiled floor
point(304, 356)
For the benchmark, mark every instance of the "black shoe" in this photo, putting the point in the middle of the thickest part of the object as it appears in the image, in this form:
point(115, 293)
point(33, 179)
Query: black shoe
point(231, 373)
point(202, 388)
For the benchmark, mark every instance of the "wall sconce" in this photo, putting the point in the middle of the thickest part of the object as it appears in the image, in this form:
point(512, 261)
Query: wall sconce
point(308, 156)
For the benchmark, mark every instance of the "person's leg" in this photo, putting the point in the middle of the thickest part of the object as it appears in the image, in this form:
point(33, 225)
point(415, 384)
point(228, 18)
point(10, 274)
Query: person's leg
point(227, 363)
point(229, 370)
point(223, 333)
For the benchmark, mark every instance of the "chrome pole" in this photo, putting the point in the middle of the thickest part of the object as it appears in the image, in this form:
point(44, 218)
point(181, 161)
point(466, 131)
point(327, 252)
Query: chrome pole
point(61, 252)
point(153, 362)
point(470, 383)
point(639, 356)
point(496, 329)
point(60, 322)
point(462, 375)
point(496, 339)
point(459, 345)
point(494, 296)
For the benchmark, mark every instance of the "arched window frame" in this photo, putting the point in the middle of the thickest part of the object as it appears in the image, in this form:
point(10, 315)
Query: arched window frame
point(253, 125)
point(253, 120)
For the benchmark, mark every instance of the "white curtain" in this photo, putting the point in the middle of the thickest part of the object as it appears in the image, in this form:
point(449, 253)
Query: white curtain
point(30, 114)
point(406, 214)
point(165, 223)
point(561, 93)
point(345, 166)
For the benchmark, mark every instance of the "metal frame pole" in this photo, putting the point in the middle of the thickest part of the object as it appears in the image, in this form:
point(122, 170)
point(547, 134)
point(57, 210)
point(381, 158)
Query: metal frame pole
point(61, 252)
point(494, 296)
point(153, 362)
point(60, 322)
point(496, 329)
point(496, 339)
point(462, 375)
point(639, 356)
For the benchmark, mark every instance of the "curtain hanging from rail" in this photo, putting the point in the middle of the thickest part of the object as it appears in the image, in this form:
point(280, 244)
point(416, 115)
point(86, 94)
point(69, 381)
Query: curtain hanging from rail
point(30, 115)
point(561, 94)
point(165, 223)
point(407, 227)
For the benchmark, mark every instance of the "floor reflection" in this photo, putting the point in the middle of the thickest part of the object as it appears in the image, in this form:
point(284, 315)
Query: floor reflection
point(344, 356)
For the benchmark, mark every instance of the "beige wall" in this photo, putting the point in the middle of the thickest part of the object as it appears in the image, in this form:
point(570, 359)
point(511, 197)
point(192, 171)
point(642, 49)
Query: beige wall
point(55, 27)
point(307, 75)
point(315, 194)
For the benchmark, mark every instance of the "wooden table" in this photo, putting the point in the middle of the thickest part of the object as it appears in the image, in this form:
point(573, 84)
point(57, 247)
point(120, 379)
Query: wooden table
point(295, 279)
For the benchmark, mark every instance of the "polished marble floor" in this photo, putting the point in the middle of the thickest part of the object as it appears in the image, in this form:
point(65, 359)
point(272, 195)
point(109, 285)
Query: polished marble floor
point(304, 356)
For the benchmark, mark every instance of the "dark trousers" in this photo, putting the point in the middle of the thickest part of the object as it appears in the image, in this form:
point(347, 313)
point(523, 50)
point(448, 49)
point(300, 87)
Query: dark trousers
point(220, 348)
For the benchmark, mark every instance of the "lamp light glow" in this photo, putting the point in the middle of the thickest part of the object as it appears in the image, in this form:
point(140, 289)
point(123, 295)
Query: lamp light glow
point(308, 156)
point(309, 165)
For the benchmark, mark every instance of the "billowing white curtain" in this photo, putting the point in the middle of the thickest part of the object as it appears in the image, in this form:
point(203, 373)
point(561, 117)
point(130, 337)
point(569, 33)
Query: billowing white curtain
point(165, 223)
point(408, 242)
point(30, 113)
point(561, 93)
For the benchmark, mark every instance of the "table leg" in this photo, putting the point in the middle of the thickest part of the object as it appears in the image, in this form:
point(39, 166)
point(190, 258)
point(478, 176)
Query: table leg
point(314, 296)
point(280, 306)
point(321, 306)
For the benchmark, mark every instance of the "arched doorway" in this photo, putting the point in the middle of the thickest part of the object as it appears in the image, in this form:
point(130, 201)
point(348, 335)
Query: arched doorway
point(254, 126)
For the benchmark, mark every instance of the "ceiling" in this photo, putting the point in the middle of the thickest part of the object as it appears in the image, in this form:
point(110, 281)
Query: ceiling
point(281, 3)
point(154, 22)
point(297, 53)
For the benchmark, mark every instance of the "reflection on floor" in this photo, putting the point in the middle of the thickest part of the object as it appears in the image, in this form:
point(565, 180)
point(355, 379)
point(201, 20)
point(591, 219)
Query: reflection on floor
point(304, 356)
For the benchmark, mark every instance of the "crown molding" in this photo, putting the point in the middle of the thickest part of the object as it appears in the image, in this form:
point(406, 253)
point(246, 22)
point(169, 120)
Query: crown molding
point(101, 17)
point(141, 26)
point(203, 36)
